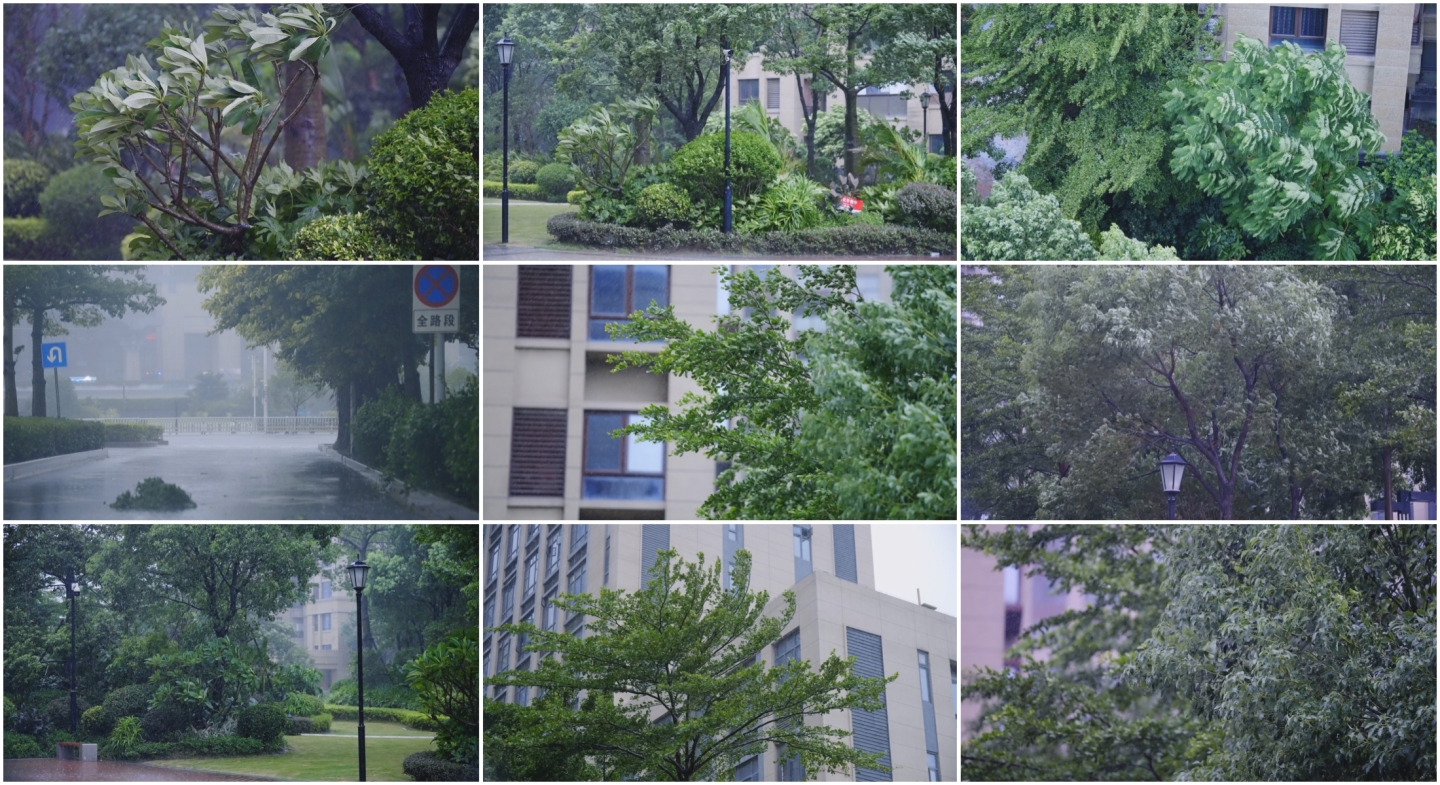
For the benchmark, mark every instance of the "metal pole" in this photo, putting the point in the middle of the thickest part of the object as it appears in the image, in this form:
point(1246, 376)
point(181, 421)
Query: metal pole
point(360, 653)
point(925, 128)
point(505, 165)
point(57, 403)
point(440, 364)
point(431, 364)
point(1171, 498)
point(726, 69)
point(265, 391)
point(69, 584)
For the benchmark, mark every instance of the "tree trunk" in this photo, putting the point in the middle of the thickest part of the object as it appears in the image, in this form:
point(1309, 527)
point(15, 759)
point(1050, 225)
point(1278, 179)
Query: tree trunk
point(12, 399)
point(947, 118)
point(37, 376)
point(412, 372)
point(304, 135)
point(1389, 494)
point(808, 111)
point(342, 410)
point(852, 130)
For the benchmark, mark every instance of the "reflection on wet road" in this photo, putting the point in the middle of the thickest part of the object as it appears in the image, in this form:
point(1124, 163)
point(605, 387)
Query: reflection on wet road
point(230, 476)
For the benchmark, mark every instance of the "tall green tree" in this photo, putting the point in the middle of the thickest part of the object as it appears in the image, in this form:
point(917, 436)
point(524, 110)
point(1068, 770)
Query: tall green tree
point(79, 294)
point(919, 46)
point(842, 34)
point(425, 59)
point(685, 648)
point(1086, 84)
point(1276, 134)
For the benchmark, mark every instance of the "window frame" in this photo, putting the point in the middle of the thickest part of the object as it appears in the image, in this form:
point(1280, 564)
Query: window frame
point(494, 561)
point(551, 617)
point(325, 622)
point(624, 450)
point(630, 308)
point(772, 89)
point(1298, 18)
point(740, 88)
point(513, 536)
point(507, 599)
point(532, 575)
point(554, 552)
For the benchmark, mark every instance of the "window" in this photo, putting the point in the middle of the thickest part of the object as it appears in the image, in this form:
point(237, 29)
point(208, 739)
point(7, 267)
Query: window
point(534, 533)
point(934, 762)
point(325, 621)
point(869, 286)
point(954, 690)
point(927, 714)
point(734, 542)
point(325, 590)
point(537, 453)
point(787, 648)
point(788, 768)
point(1303, 26)
point(522, 640)
point(884, 105)
point(577, 579)
point(1357, 31)
point(507, 600)
point(730, 531)
point(618, 290)
point(522, 696)
point(925, 677)
point(607, 556)
point(749, 770)
point(551, 612)
point(489, 613)
point(772, 93)
point(514, 543)
point(315, 623)
point(494, 561)
point(502, 662)
point(576, 626)
point(845, 551)
point(300, 627)
point(618, 468)
point(314, 593)
point(324, 647)
point(816, 97)
point(937, 143)
point(543, 301)
point(532, 571)
point(579, 535)
point(871, 729)
point(553, 555)
point(749, 90)
point(801, 538)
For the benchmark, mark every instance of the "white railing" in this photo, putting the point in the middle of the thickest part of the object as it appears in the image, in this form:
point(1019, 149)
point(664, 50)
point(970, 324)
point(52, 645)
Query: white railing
point(176, 425)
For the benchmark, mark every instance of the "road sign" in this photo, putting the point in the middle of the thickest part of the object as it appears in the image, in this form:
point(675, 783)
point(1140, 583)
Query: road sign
point(435, 299)
point(53, 355)
point(852, 204)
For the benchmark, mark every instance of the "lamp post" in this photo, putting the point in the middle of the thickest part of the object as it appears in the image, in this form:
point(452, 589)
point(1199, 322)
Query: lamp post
point(70, 591)
point(925, 119)
point(358, 570)
point(507, 51)
point(726, 69)
point(1172, 470)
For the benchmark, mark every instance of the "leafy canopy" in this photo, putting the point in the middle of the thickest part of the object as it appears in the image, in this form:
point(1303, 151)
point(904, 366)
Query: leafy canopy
point(1017, 223)
point(685, 647)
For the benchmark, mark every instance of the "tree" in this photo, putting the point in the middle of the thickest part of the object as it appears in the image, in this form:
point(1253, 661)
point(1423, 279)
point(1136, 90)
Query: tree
point(919, 46)
point(1131, 363)
point(1275, 134)
point(755, 382)
point(1086, 83)
point(1407, 222)
point(842, 34)
point(80, 295)
point(1309, 651)
point(685, 648)
point(89, 40)
point(1017, 223)
point(785, 55)
point(426, 62)
point(289, 391)
point(305, 113)
point(886, 379)
point(163, 117)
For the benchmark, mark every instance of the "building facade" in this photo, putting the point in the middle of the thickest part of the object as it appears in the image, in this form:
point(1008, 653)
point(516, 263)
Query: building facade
point(830, 568)
point(1389, 50)
point(316, 627)
point(551, 400)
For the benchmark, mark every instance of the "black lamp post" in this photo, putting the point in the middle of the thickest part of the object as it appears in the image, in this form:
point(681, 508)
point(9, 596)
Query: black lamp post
point(357, 579)
point(726, 69)
point(1172, 470)
point(507, 51)
point(71, 590)
point(925, 119)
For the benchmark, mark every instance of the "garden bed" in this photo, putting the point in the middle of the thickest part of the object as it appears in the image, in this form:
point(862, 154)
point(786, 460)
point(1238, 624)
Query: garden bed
point(856, 240)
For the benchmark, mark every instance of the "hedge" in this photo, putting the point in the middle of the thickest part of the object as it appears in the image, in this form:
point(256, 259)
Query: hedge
point(555, 179)
point(344, 238)
point(423, 176)
point(521, 191)
point(132, 432)
point(18, 745)
point(299, 725)
point(29, 438)
point(428, 767)
point(24, 181)
point(263, 721)
point(27, 238)
point(321, 722)
point(858, 239)
point(221, 745)
point(412, 719)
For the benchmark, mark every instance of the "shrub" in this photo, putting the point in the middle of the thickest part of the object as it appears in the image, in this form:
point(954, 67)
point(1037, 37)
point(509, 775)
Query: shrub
point(942, 170)
point(663, 203)
point(321, 722)
point(523, 172)
point(123, 739)
point(428, 767)
point(18, 745)
point(222, 745)
point(94, 722)
point(153, 493)
point(28, 438)
point(790, 204)
point(343, 692)
point(302, 705)
point(410, 719)
point(57, 712)
point(927, 206)
point(299, 725)
point(445, 676)
point(425, 173)
point(555, 179)
point(9, 710)
point(374, 422)
point(699, 166)
point(28, 238)
point(573, 197)
point(132, 701)
point(155, 749)
point(165, 722)
point(24, 180)
point(460, 414)
point(132, 432)
point(519, 191)
point(877, 241)
point(342, 238)
point(263, 721)
point(70, 204)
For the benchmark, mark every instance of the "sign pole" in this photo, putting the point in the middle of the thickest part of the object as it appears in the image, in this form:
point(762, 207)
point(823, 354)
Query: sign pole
point(440, 339)
point(433, 342)
point(57, 393)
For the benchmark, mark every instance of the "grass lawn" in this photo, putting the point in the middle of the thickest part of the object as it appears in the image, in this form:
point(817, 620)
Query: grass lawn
point(527, 227)
point(320, 758)
point(374, 728)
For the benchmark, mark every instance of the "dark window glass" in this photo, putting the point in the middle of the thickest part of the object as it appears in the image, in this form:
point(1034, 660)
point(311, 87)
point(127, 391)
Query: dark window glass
point(634, 488)
point(522, 640)
point(554, 555)
point(607, 293)
point(925, 677)
point(577, 580)
point(749, 90)
point(1282, 21)
point(551, 612)
point(1312, 22)
point(532, 569)
point(640, 466)
point(602, 452)
point(651, 284)
point(502, 664)
point(507, 602)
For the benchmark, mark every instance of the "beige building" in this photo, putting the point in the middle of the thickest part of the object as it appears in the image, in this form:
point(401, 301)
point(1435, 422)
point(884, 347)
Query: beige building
point(781, 97)
point(1390, 50)
point(315, 626)
point(551, 400)
point(830, 568)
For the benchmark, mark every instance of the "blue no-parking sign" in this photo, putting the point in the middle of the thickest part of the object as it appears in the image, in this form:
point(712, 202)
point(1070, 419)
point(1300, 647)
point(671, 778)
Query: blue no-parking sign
point(53, 355)
point(435, 304)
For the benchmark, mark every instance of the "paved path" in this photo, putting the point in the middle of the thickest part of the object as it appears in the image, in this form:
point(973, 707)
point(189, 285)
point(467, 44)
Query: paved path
point(230, 476)
point(55, 770)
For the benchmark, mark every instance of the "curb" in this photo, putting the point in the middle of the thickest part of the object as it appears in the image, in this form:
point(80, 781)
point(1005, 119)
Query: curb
point(417, 500)
point(17, 471)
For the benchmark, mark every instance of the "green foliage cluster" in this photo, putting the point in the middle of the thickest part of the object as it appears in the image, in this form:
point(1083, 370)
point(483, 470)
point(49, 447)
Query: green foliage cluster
point(606, 142)
point(20, 745)
point(28, 238)
point(302, 704)
point(1406, 230)
point(663, 203)
point(555, 180)
point(29, 438)
point(93, 722)
point(70, 203)
point(857, 239)
point(299, 726)
point(1018, 223)
point(132, 432)
point(415, 720)
point(264, 722)
point(345, 237)
point(927, 206)
point(524, 172)
point(129, 701)
point(398, 436)
point(1274, 133)
point(426, 766)
point(346, 693)
point(24, 181)
point(166, 722)
point(153, 493)
point(789, 204)
point(518, 191)
point(447, 677)
point(699, 166)
point(124, 739)
point(57, 712)
point(218, 746)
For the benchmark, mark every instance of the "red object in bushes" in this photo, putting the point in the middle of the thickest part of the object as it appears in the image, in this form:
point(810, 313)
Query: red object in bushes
point(852, 204)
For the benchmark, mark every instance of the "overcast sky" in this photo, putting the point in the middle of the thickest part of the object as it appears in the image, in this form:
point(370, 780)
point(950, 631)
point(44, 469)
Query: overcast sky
point(923, 555)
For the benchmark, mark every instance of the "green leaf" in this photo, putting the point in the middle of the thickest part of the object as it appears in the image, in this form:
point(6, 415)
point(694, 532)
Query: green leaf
point(235, 103)
point(109, 201)
point(198, 47)
point(251, 123)
point(140, 100)
point(299, 50)
point(264, 36)
point(108, 123)
point(178, 54)
point(247, 69)
point(241, 87)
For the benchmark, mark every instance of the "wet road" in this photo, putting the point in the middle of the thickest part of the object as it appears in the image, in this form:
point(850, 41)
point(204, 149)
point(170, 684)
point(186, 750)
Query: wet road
point(230, 476)
point(54, 770)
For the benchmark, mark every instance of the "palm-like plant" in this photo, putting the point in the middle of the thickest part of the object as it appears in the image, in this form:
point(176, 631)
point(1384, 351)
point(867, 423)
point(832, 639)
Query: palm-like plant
point(895, 156)
point(604, 144)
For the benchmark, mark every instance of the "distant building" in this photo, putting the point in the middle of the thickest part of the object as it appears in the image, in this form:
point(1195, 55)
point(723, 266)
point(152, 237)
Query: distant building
point(315, 626)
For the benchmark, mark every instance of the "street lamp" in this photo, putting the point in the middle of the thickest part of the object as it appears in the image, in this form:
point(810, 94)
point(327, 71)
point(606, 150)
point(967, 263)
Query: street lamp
point(1172, 470)
point(357, 580)
point(726, 69)
point(507, 51)
point(925, 119)
point(71, 590)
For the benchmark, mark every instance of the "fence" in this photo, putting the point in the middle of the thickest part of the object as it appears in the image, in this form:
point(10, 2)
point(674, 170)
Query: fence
point(174, 425)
